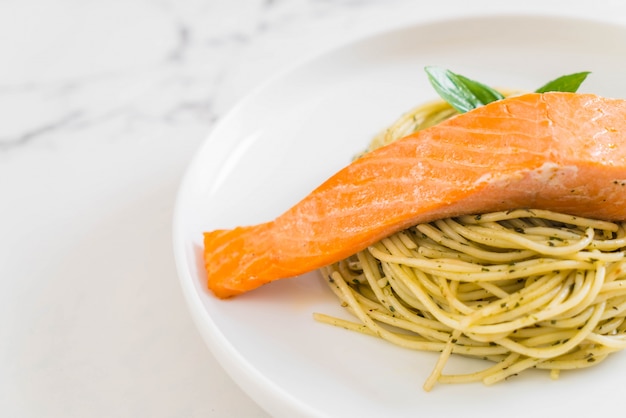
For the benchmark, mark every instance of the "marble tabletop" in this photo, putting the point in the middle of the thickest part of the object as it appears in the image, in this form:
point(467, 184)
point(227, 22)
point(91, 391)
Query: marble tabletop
point(103, 104)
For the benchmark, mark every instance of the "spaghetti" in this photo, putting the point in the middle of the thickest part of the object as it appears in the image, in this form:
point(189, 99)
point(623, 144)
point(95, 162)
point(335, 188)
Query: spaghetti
point(523, 288)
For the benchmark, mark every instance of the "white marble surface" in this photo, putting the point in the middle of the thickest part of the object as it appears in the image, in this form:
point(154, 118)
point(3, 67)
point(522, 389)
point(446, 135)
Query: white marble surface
point(103, 104)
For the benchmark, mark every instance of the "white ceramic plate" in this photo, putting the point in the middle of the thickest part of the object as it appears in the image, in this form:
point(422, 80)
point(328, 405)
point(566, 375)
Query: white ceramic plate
point(291, 135)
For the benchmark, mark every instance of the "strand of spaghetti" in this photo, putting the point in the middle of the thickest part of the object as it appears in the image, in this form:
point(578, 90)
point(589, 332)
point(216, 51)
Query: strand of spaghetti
point(398, 310)
point(391, 246)
point(554, 351)
point(515, 368)
point(615, 342)
point(540, 213)
point(343, 323)
point(379, 331)
point(452, 299)
point(446, 226)
point(399, 275)
point(432, 250)
point(614, 287)
point(573, 364)
point(610, 327)
point(399, 278)
point(613, 243)
point(616, 308)
point(526, 227)
point(528, 299)
point(422, 327)
point(546, 292)
point(608, 245)
point(456, 270)
point(406, 239)
point(616, 271)
point(543, 232)
point(591, 296)
point(554, 238)
point(463, 247)
point(405, 324)
point(584, 356)
point(560, 322)
point(583, 299)
point(464, 346)
point(348, 297)
point(517, 240)
point(520, 270)
point(553, 338)
point(449, 320)
point(615, 299)
point(482, 291)
point(398, 244)
point(549, 299)
point(482, 374)
point(478, 234)
point(594, 255)
point(441, 362)
point(417, 289)
point(372, 275)
point(456, 307)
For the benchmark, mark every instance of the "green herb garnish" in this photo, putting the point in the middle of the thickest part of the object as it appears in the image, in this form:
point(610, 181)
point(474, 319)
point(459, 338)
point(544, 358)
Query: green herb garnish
point(567, 83)
point(465, 94)
point(462, 93)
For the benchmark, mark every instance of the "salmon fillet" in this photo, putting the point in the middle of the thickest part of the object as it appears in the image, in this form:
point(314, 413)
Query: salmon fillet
point(564, 152)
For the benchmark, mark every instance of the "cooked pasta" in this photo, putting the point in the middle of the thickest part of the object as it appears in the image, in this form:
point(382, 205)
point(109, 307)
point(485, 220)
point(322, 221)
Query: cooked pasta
point(523, 289)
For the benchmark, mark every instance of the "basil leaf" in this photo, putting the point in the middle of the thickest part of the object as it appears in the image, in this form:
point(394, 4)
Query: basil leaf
point(460, 92)
point(484, 93)
point(567, 83)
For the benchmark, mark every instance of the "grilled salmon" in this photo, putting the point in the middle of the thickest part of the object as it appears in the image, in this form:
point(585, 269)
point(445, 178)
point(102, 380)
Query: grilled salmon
point(563, 152)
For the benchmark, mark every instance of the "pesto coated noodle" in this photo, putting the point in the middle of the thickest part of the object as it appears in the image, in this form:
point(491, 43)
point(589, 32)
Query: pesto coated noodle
point(522, 289)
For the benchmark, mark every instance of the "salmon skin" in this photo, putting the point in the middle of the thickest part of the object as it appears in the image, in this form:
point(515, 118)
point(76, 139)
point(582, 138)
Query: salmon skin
point(564, 152)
